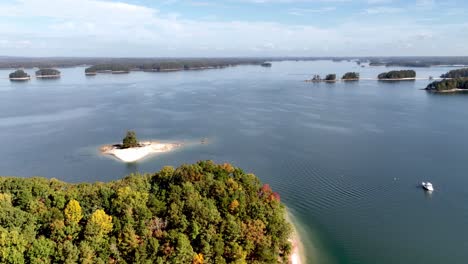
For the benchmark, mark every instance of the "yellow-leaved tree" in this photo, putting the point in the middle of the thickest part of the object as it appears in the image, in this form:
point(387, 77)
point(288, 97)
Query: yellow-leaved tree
point(99, 224)
point(73, 212)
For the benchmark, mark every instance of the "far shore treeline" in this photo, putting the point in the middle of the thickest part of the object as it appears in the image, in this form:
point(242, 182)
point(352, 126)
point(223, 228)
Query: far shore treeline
point(200, 213)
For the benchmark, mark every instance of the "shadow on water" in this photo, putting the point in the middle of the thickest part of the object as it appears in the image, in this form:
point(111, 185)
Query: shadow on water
point(131, 167)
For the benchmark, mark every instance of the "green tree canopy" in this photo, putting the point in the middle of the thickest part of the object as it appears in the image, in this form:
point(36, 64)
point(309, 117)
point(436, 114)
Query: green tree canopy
point(199, 213)
point(130, 140)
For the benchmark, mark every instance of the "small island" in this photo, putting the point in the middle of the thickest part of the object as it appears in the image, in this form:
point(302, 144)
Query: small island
point(107, 68)
point(350, 76)
point(266, 64)
point(131, 150)
point(330, 77)
point(448, 85)
point(402, 75)
point(459, 73)
point(19, 75)
point(47, 73)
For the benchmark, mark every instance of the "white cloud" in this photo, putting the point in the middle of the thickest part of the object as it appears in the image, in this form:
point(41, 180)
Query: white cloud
point(101, 28)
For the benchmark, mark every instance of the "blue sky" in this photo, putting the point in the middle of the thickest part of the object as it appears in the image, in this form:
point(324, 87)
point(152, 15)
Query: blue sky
point(200, 28)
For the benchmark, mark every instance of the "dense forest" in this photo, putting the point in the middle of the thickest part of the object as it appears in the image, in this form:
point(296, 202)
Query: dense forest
point(18, 74)
point(47, 72)
point(459, 73)
point(330, 77)
point(397, 74)
point(200, 213)
point(350, 76)
point(448, 84)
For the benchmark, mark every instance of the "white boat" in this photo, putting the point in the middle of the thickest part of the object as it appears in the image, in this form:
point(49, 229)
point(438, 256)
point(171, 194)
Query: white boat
point(427, 186)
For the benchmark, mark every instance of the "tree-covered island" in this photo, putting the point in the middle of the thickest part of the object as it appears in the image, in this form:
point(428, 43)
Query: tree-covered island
point(350, 76)
point(448, 85)
point(458, 73)
point(200, 213)
point(398, 75)
point(107, 68)
point(47, 73)
point(330, 77)
point(19, 75)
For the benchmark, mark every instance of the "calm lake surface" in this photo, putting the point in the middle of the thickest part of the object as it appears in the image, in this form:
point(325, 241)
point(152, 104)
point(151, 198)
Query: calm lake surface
point(347, 158)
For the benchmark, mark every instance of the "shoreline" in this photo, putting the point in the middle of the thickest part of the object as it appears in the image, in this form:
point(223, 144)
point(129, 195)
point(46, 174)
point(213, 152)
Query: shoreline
point(456, 90)
point(20, 79)
point(48, 76)
point(297, 252)
point(145, 149)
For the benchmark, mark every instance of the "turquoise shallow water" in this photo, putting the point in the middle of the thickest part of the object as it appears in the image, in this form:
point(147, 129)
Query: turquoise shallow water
point(347, 158)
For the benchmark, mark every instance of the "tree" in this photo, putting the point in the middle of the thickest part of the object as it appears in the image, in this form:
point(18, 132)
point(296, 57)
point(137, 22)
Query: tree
point(99, 224)
point(73, 212)
point(130, 140)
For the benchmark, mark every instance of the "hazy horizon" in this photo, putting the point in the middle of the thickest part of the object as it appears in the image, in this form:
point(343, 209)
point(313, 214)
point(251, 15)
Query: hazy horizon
point(232, 28)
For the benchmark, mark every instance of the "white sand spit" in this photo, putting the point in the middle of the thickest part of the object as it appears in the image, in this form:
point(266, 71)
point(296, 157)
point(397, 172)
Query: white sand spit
point(134, 154)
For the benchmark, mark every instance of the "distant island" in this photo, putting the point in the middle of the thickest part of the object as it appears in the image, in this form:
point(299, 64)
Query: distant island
point(266, 64)
point(330, 77)
point(397, 75)
point(19, 75)
point(459, 73)
point(350, 76)
point(48, 73)
point(199, 213)
point(107, 68)
point(132, 150)
point(448, 85)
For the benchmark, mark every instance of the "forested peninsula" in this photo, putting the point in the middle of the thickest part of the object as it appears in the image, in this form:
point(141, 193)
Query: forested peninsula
point(397, 75)
point(200, 213)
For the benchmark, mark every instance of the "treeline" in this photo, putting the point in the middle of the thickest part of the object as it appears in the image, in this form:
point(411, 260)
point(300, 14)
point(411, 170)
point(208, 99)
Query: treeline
point(47, 72)
point(459, 73)
point(131, 63)
point(397, 74)
point(350, 76)
point(448, 84)
point(108, 67)
point(416, 61)
point(200, 213)
point(18, 74)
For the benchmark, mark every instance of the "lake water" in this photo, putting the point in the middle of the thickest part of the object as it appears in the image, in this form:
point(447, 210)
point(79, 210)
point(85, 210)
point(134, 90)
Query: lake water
point(347, 158)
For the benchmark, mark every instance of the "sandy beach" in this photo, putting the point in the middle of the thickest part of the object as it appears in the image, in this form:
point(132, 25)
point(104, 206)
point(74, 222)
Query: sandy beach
point(21, 79)
point(145, 149)
point(297, 253)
